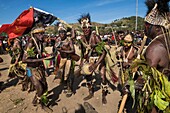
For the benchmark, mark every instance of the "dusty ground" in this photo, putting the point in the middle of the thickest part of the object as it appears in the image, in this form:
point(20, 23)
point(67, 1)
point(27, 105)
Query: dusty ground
point(13, 100)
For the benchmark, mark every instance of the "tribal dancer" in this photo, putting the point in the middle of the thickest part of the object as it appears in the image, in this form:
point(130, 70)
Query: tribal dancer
point(16, 52)
point(17, 68)
point(89, 41)
point(64, 45)
point(154, 65)
point(35, 69)
point(125, 55)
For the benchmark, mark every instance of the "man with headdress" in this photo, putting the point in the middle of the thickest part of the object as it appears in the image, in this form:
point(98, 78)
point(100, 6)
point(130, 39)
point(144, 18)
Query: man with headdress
point(125, 55)
point(154, 65)
point(128, 50)
point(35, 68)
point(64, 46)
point(93, 58)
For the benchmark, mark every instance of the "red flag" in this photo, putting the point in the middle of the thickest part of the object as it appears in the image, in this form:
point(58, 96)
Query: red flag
point(25, 21)
point(19, 26)
point(4, 28)
point(16, 31)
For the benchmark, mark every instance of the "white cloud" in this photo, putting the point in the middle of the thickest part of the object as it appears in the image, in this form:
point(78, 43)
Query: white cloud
point(102, 2)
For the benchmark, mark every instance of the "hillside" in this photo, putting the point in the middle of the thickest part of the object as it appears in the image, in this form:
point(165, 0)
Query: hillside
point(128, 23)
point(125, 23)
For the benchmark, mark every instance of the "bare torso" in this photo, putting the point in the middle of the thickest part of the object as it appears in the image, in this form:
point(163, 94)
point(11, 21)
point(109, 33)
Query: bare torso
point(157, 55)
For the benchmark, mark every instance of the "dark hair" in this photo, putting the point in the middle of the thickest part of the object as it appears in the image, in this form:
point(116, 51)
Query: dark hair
point(162, 5)
point(119, 32)
point(84, 16)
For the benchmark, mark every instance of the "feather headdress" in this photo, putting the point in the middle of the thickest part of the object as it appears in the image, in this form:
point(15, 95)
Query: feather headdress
point(85, 20)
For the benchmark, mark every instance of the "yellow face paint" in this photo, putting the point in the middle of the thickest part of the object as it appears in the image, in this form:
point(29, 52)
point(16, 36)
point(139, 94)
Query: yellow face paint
point(127, 43)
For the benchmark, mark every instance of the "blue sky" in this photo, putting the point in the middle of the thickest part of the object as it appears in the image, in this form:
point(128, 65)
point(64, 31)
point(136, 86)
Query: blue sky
point(102, 11)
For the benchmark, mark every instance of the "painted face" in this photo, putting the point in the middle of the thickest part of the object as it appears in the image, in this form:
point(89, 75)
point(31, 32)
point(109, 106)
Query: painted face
point(127, 44)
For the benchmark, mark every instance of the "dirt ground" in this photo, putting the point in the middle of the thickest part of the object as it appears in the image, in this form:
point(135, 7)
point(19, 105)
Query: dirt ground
point(13, 100)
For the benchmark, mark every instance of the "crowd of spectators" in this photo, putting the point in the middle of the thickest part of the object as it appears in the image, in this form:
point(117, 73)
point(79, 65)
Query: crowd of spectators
point(113, 38)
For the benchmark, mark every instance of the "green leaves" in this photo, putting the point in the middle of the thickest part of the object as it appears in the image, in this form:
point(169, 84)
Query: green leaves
point(166, 86)
point(44, 98)
point(158, 100)
point(30, 52)
point(100, 47)
point(132, 90)
point(156, 85)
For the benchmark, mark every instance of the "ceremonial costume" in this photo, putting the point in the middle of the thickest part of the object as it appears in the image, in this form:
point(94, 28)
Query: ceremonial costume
point(65, 48)
point(35, 68)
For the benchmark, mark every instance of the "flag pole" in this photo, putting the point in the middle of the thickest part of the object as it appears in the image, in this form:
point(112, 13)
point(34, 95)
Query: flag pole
point(97, 30)
point(136, 27)
point(62, 21)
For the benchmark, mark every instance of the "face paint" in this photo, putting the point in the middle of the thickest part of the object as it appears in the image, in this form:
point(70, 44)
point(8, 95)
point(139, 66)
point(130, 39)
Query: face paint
point(127, 44)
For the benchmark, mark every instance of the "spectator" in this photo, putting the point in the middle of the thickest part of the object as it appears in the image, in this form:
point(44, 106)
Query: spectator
point(1, 47)
point(5, 44)
point(121, 35)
